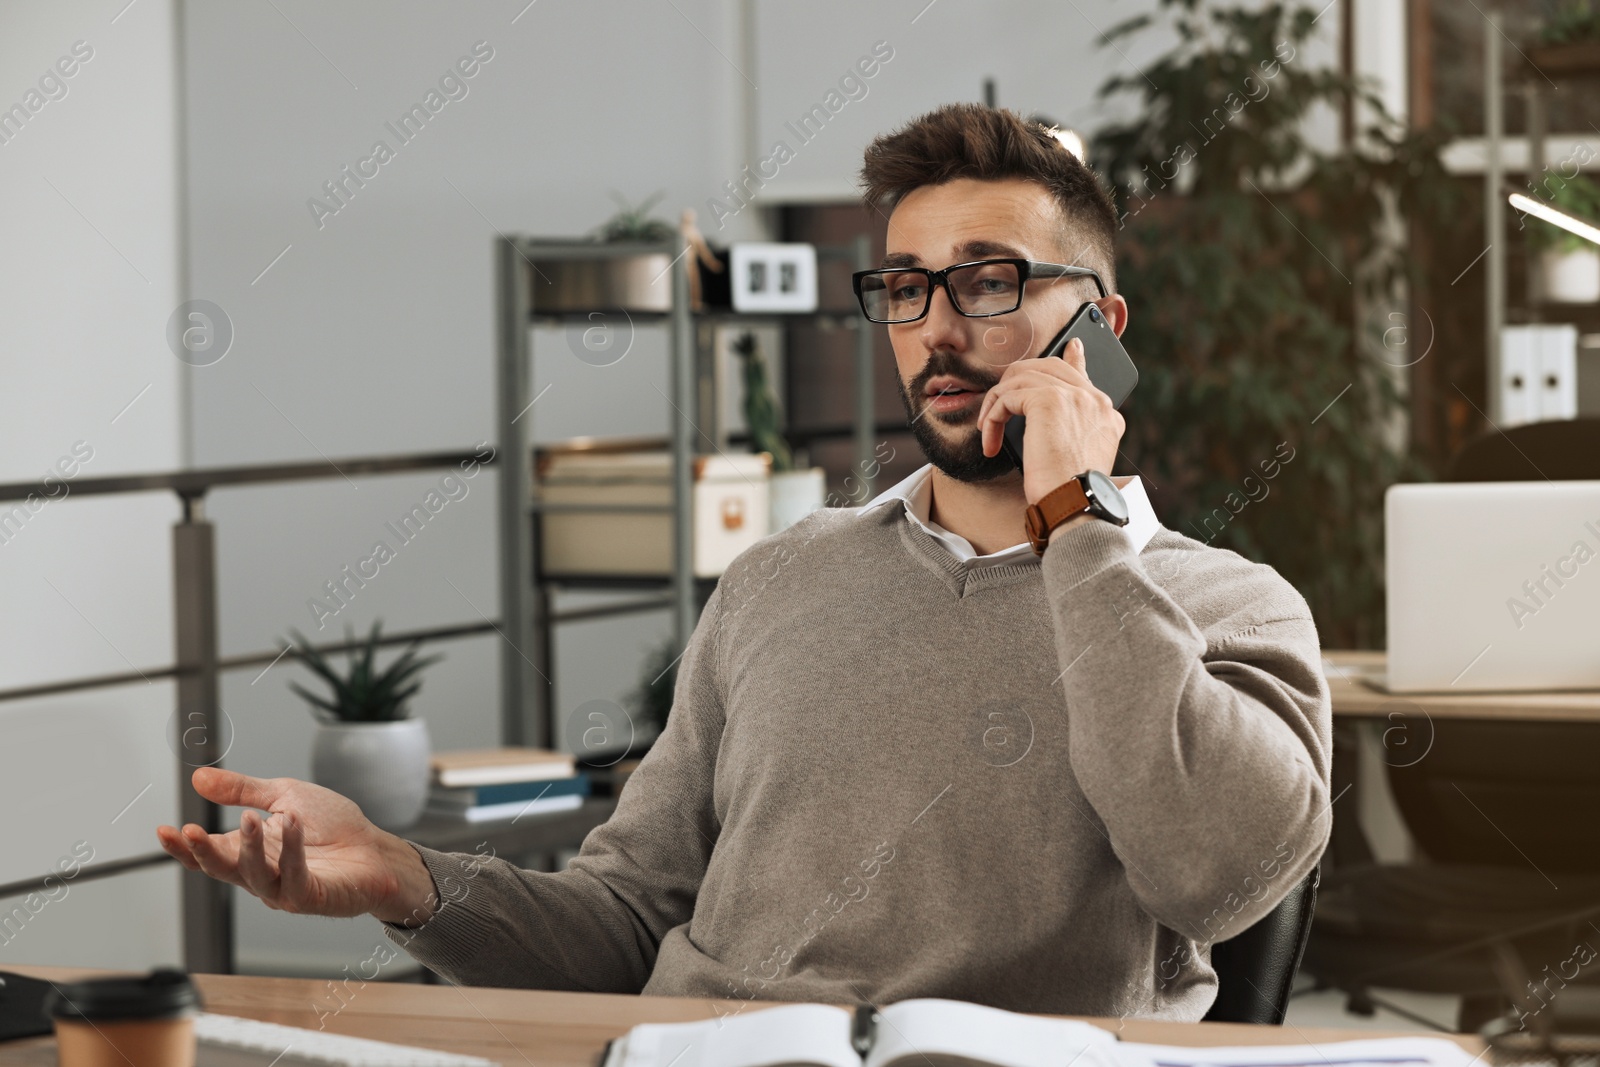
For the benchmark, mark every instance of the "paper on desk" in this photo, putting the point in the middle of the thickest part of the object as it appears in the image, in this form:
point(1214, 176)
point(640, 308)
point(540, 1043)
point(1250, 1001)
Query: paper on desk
point(1380, 1052)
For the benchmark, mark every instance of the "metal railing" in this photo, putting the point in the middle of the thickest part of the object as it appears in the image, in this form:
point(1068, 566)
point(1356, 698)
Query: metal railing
point(525, 623)
point(204, 901)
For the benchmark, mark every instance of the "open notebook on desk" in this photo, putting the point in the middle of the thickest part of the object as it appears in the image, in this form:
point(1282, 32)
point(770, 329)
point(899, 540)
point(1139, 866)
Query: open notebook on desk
point(950, 1033)
point(1369, 1052)
point(912, 1033)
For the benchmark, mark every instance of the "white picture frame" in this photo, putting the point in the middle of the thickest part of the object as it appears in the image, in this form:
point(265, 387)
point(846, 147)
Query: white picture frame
point(773, 276)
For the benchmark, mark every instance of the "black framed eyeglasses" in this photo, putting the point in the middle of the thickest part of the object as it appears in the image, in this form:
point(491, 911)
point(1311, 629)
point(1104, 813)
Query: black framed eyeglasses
point(979, 290)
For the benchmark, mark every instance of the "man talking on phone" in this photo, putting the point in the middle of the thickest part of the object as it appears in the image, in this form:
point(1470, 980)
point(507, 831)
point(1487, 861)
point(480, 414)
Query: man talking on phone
point(996, 736)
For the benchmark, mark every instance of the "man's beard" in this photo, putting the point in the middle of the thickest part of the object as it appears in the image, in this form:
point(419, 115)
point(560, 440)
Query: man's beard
point(962, 459)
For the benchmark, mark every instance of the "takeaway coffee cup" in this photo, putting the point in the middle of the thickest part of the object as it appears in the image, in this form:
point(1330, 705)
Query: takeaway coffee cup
point(125, 1020)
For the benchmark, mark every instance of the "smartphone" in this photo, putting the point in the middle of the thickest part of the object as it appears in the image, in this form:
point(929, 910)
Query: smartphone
point(1110, 368)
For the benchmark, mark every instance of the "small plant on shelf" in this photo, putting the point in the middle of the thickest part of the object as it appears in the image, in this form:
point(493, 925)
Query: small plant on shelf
point(1578, 196)
point(633, 223)
point(760, 406)
point(362, 693)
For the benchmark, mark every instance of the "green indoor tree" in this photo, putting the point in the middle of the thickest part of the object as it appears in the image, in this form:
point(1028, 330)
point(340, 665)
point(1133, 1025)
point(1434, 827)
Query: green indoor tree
point(1571, 22)
point(1264, 407)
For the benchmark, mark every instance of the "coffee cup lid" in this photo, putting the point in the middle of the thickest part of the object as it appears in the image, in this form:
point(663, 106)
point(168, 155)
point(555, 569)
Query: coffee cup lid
point(163, 992)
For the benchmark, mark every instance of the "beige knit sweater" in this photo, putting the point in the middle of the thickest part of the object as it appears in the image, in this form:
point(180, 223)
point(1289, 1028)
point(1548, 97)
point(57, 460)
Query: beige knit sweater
point(1048, 786)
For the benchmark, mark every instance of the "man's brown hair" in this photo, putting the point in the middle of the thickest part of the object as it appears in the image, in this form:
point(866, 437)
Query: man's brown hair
point(990, 144)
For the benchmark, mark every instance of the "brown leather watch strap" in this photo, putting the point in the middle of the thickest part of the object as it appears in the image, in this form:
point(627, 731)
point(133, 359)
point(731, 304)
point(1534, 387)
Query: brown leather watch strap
point(1053, 509)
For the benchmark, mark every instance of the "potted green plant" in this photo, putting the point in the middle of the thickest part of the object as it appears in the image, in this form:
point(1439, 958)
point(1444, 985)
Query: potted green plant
point(792, 493)
point(1569, 264)
point(367, 746)
point(658, 679)
point(634, 222)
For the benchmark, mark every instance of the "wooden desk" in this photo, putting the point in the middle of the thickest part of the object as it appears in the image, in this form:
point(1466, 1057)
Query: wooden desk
point(519, 1026)
point(1354, 698)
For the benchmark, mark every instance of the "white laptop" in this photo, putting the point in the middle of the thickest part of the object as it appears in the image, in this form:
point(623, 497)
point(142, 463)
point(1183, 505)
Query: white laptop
point(1493, 586)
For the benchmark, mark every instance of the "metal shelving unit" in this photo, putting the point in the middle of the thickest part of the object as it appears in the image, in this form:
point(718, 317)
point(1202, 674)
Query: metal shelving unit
point(1545, 67)
point(1539, 70)
point(526, 667)
point(526, 596)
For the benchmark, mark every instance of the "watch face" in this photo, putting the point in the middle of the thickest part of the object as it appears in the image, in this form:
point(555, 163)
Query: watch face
point(1108, 497)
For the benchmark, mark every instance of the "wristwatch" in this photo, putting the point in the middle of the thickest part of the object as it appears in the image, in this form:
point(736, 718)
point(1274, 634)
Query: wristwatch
point(1090, 491)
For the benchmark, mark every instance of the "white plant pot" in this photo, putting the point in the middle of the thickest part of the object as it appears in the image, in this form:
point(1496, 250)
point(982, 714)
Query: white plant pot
point(792, 495)
point(1571, 277)
point(382, 766)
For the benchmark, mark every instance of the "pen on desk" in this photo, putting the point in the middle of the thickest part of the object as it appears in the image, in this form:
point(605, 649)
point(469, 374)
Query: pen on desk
point(863, 1028)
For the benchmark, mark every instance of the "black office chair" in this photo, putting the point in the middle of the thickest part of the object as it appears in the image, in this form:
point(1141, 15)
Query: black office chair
point(1558, 450)
point(1501, 813)
point(1256, 970)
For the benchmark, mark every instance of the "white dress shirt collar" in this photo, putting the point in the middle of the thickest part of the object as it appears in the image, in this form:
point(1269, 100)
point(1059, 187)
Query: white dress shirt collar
point(915, 492)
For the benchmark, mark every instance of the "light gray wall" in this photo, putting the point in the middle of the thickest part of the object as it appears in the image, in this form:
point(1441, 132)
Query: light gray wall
point(374, 332)
point(1044, 58)
point(89, 273)
point(1041, 56)
point(370, 333)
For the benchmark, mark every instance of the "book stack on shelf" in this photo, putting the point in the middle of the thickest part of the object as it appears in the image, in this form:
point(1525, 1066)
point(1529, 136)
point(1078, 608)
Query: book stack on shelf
point(478, 785)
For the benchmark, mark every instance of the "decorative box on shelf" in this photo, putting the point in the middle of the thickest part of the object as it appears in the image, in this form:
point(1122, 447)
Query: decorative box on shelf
point(603, 277)
point(607, 508)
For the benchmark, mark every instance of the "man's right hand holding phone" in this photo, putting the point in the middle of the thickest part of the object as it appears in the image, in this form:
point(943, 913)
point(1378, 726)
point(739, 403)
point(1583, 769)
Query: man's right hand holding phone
point(1072, 425)
point(316, 854)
